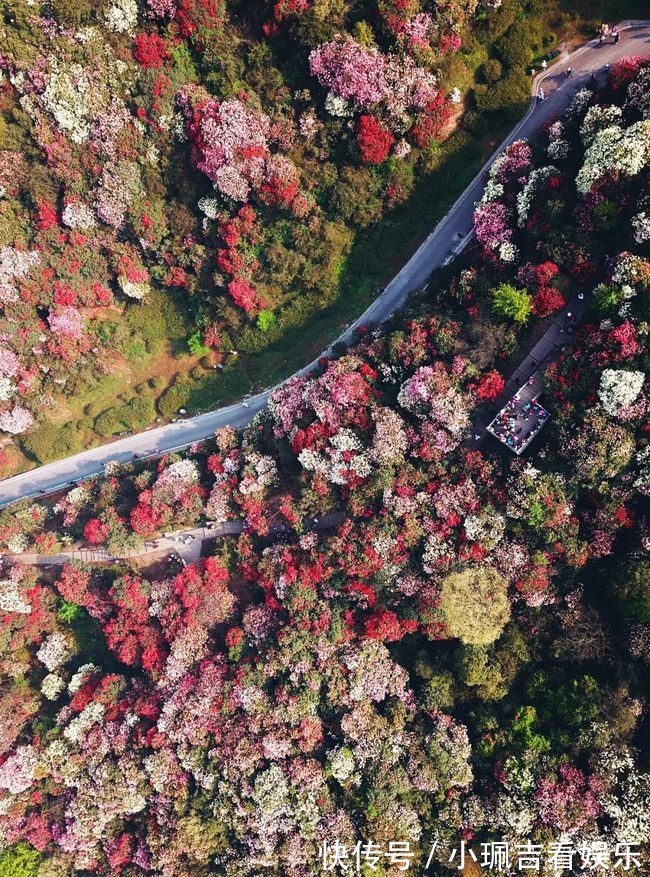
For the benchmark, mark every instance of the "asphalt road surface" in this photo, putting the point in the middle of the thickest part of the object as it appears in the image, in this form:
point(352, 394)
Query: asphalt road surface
point(449, 237)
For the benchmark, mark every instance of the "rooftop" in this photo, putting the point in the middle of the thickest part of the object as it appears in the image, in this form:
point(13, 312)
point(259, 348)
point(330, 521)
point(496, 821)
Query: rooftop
point(521, 418)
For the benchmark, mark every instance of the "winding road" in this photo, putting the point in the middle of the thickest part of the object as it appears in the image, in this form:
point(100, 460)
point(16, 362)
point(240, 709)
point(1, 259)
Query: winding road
point(448, 238)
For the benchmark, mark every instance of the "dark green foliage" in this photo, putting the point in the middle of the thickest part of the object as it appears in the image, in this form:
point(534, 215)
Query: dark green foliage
point(48, 442)
point(356, 196)
point(506, 96)
point(72, 13)
point(608, 298)
point(212, 389)
point(632, 587)
point(175, 397)
point(516, 46)
point(490, 72)
point(565, 706)
point(133, 415)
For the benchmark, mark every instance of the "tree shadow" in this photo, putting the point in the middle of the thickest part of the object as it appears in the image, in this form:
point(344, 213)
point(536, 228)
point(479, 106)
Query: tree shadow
point(378, 252)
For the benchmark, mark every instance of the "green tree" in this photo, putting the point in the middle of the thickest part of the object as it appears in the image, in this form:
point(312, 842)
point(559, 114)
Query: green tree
point(265, 319)
point(109, 422)
point(174, 398)
point(508, 301)
point(507, 96)
point(48, 442)
point(21, 860)
point(477, 668)
point(68, 611)
point(608, 298)
point(72, 13)
point(516, 47)
point(355, 196)
point(196, 345)
point(633, 590)
point(438, 691)
point(475, 605)
point(490, 72)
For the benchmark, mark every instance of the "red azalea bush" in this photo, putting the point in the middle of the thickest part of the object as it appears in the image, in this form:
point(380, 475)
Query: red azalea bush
point(374, 141)
point(547, 301)
point(489, 386)
point(150, 50)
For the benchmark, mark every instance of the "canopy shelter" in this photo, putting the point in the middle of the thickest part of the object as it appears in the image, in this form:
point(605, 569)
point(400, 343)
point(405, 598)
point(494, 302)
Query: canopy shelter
point(521, 418)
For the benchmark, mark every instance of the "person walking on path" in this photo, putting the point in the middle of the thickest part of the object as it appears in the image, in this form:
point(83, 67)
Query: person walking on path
point(544, 64)
point(569, 71)
point(616, 36)
point(542, 95)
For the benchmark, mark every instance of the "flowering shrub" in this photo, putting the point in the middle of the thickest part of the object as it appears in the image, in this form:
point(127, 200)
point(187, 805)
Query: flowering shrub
point(619, 389)
point(150, 50)
point(373, 140)
point(369, 522)
point(489, 386)
point(367, 78)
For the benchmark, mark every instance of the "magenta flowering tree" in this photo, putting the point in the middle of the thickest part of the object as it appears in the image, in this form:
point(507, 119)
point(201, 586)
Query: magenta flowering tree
point(367, 78)
point(514, 163)
point(570, 800)
point(351, 71)
point(492, 224)
point(66, 322)
point(9, 363)
point(231, 145)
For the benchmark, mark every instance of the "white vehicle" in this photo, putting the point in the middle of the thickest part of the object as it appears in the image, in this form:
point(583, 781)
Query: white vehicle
point(246, 404)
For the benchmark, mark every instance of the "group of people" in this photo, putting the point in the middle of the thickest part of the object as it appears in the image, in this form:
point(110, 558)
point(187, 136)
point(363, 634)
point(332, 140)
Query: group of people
point(518, 423)
point(606, 31)
point(567, 323)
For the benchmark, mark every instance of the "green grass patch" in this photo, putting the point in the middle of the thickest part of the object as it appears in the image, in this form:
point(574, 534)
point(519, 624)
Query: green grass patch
point(163, 317)
point(135, 414)
point(202, 393)
point(49, 442)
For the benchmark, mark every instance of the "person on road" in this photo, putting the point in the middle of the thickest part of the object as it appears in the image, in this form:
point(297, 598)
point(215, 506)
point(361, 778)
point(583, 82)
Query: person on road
point(569, 71)
point(542, 94)
point(616, 36)
point(544, 64)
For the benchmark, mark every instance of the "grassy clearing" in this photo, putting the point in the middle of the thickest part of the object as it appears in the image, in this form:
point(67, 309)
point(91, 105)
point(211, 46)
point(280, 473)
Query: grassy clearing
point(152, 377)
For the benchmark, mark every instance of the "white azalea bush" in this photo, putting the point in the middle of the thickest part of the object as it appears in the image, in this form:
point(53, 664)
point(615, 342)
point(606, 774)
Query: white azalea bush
point(619, 388)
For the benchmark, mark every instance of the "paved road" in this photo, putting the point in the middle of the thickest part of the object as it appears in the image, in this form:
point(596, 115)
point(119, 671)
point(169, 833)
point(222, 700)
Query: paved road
point(186, 544)
point(450, 236)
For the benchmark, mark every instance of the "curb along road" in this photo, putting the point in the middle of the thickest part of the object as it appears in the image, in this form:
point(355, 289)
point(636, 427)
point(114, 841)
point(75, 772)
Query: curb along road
point(441, 244)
